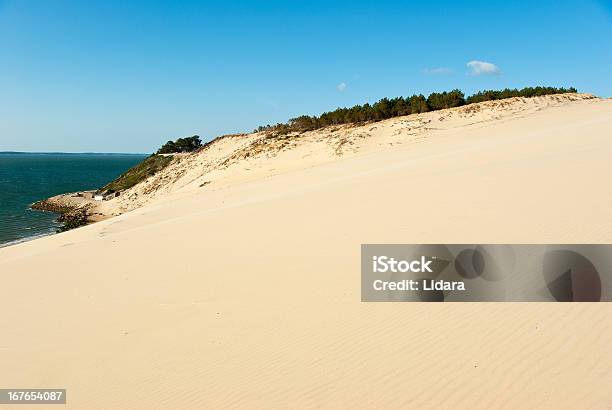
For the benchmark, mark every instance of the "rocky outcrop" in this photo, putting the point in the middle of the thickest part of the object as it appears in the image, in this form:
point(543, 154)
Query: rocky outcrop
point(70, 216)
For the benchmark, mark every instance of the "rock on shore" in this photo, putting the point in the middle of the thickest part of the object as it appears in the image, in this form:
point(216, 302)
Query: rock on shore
point(72, 212)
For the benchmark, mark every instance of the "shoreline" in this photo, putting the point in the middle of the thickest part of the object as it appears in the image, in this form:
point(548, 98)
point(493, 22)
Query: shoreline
point(28, 181)
point(27, 239)
point(75, 209)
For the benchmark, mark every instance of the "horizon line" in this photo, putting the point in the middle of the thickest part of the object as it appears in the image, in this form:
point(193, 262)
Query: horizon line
point(74, 153)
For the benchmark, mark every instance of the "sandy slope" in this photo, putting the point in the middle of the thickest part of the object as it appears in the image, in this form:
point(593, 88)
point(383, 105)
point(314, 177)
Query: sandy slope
point(245, 292)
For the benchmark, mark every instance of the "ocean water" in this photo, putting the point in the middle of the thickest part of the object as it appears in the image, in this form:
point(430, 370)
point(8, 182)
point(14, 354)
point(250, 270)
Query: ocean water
point(26, 178)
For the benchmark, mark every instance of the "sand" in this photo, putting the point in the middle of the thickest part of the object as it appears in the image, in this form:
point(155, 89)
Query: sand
point(235, 283)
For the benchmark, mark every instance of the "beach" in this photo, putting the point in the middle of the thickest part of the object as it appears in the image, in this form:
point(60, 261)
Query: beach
point(232, 278)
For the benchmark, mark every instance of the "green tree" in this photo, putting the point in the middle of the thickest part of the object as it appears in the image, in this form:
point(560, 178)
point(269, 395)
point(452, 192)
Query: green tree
point(188, 144)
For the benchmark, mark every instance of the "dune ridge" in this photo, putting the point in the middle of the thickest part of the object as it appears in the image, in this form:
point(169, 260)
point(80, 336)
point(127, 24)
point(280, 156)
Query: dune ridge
point(239, 157)
point(232, 280)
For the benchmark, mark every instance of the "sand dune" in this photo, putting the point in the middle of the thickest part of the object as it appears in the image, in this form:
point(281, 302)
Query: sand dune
point(233, 280)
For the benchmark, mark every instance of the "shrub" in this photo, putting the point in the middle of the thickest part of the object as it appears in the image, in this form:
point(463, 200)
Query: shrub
point(138, 172)
point(188, 144)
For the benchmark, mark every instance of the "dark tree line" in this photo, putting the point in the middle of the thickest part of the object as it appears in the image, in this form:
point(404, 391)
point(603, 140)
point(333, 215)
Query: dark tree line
point(488, 95)
point(188, 144)
point(394, 107)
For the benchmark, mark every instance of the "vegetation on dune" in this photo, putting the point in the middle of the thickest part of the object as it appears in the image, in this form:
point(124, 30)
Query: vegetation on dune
point(188, 144)
point(394, 107)
point(74, 216)
point(152, 164)
point(488, 95)
point(138, 173)
point(380, 110)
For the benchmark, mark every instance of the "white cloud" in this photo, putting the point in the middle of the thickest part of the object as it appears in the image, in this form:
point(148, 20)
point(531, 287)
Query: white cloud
point(483, 68)
point(437, 71)
point(341, 87)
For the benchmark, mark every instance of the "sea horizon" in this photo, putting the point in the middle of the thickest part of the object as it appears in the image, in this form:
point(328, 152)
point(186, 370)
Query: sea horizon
point(71, 153)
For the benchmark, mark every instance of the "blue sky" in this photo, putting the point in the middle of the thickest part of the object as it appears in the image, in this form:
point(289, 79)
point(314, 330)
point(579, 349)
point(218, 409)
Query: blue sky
point(125, 76)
